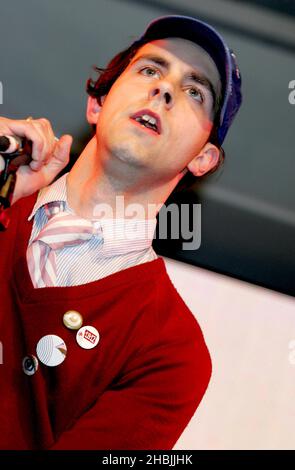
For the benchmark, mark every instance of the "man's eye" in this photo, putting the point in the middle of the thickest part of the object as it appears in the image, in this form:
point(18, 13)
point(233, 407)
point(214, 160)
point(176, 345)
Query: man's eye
point(196, 94)
point(149, 71)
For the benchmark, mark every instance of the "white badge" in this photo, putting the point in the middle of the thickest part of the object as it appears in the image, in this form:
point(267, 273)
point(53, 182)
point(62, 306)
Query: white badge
point(51, 350)
point(73, 320)
point(87, 337)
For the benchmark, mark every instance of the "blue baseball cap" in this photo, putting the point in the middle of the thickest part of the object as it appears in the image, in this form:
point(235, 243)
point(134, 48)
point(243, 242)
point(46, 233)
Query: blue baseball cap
point(208, 38)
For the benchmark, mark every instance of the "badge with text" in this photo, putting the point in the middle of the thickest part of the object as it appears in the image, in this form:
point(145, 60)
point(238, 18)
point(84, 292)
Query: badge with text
point(87, 337)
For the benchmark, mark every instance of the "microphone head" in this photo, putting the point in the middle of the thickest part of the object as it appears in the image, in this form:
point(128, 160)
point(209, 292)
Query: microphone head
point(4, 143)
point(10, 144)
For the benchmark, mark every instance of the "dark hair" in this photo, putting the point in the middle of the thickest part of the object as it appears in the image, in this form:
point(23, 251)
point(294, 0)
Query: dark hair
point(107, 77)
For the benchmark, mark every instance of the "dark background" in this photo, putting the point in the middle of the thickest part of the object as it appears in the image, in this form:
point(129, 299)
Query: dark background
point(248, 221)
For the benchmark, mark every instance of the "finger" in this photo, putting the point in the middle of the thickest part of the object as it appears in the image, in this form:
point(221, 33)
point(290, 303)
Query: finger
point(38, 148)
point(63, 148)
point(39, 132)
point(45, 129)
point(27, 129)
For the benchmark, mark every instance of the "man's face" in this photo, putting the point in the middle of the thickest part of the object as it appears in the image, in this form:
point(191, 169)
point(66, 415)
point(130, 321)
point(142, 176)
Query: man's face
point(174, 79)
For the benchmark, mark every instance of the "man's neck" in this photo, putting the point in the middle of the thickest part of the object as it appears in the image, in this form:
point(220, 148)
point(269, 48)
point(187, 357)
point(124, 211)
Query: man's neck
point(92, 192)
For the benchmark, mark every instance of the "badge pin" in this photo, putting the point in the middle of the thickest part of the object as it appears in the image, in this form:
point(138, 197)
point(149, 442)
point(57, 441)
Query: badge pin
point(73, 320)
point(51, 350)
point(87, 337)
point(30, 364)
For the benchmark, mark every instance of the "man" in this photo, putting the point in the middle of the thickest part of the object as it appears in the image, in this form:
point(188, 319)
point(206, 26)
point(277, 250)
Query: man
point(100, 351)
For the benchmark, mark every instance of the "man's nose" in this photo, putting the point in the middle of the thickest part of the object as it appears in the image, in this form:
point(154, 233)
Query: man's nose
point(162, 92)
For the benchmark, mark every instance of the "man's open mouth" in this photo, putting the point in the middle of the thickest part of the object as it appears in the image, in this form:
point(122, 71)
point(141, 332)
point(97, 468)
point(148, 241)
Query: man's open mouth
point(148, 119)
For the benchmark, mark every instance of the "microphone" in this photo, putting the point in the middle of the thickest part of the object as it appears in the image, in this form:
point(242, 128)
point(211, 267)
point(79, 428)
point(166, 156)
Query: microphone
point(14, 151)
point(12, 144)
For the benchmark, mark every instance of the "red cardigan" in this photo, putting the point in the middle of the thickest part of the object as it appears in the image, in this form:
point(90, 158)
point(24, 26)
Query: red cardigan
point(137, 389)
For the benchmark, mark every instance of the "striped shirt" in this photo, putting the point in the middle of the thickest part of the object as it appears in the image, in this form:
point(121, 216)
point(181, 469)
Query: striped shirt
point(117, 244)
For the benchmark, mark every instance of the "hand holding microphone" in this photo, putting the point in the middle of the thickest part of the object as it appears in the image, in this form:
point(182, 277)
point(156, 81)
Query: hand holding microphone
point(16, 150)
point(45, 155)
point(12, 146)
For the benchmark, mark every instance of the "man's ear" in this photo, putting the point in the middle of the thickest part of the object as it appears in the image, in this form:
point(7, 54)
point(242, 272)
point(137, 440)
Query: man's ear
point(205, 160)
point(93, 109)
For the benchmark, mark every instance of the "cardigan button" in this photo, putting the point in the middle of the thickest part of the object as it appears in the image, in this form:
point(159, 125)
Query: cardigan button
point(87, 337)
point(51, 350)
point(30, 364)
point(72, 320)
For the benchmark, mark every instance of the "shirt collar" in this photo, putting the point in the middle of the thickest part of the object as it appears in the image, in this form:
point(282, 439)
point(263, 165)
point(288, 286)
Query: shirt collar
point(57, 191)
point(120, 236)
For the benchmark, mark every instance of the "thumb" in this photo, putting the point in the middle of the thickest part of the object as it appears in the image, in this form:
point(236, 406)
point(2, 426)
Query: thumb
point(62, 149)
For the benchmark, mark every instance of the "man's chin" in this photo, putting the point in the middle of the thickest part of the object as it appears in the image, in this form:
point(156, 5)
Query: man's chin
point(129, 155)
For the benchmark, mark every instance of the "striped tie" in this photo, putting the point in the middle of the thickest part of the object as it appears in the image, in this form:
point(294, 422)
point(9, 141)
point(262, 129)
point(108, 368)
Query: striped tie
point(62, 229)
